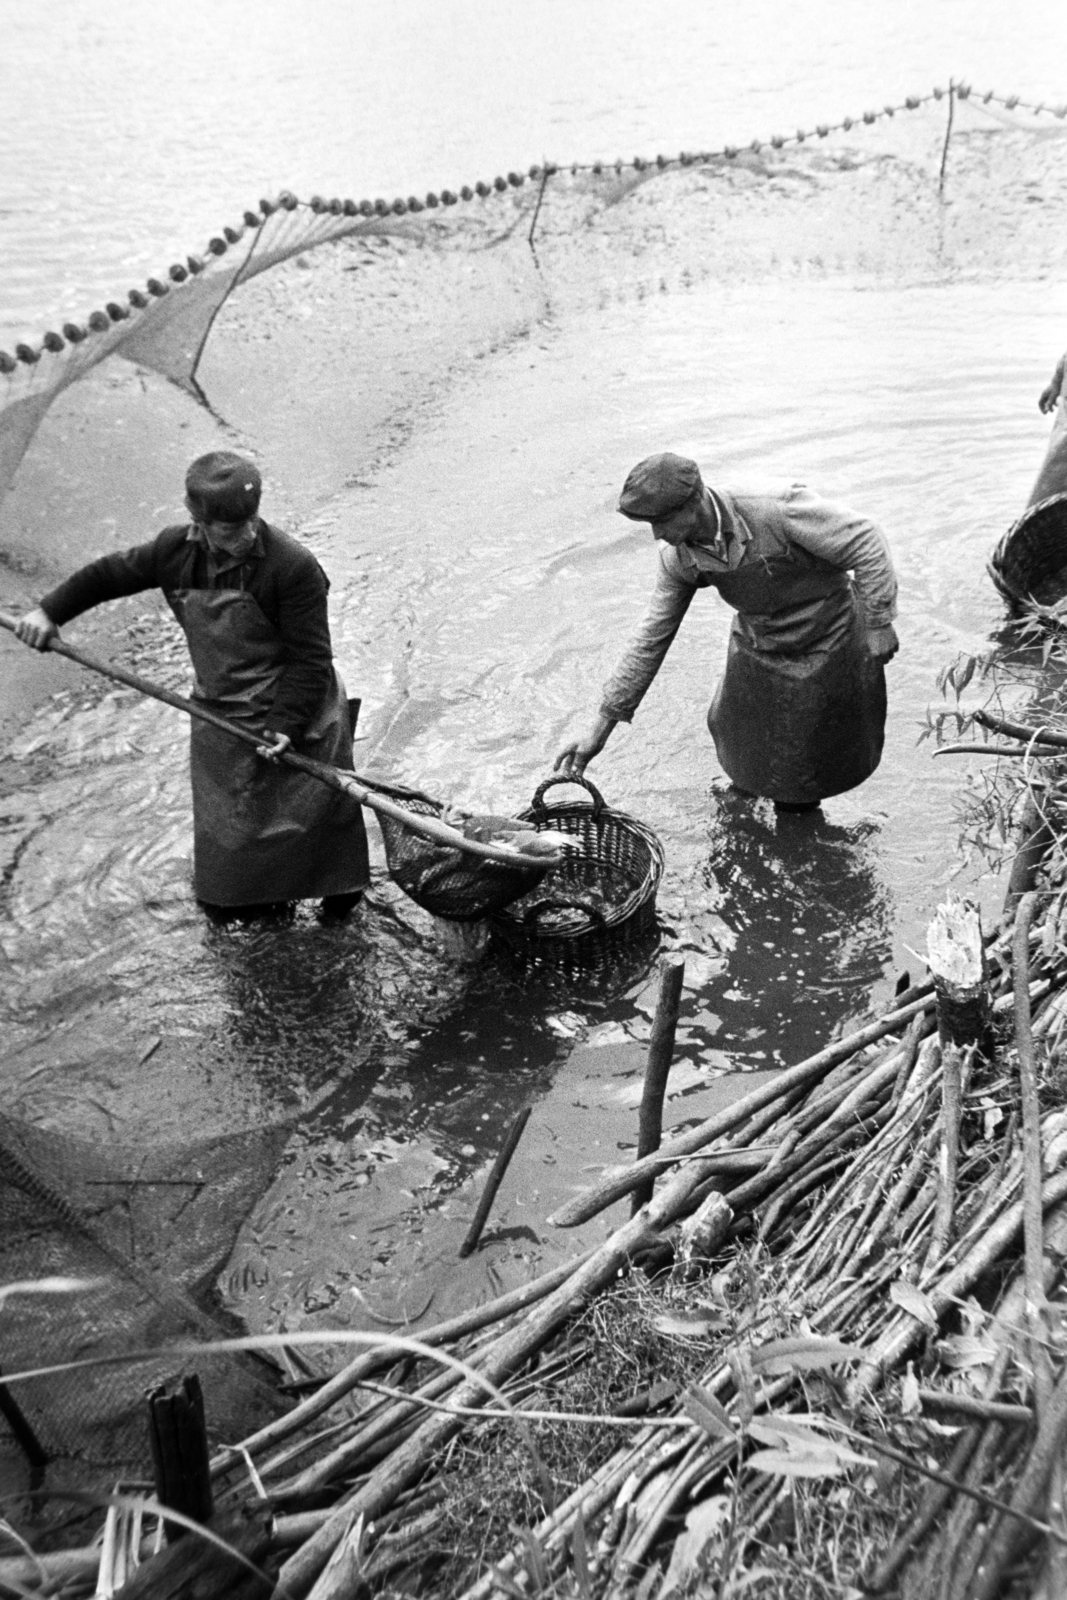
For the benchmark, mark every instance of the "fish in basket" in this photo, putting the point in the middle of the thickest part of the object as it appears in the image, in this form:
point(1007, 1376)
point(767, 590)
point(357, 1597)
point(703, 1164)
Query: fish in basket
point(450, 883)
point(604, 895)
point(1029, 565)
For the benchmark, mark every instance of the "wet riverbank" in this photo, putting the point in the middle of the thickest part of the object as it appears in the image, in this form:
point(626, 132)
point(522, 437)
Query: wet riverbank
point(445, 418)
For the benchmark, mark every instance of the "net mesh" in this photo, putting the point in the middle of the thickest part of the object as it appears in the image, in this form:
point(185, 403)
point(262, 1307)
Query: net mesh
point(149, 1228)
point(449, 883)
point(994, 144)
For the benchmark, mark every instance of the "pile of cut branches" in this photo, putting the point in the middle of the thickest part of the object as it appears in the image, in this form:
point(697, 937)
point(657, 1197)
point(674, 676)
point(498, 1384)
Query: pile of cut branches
point(825, 1357)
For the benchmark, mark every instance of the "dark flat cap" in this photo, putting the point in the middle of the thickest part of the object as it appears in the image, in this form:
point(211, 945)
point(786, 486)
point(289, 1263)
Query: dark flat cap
point(657, 486)
point(224, 487)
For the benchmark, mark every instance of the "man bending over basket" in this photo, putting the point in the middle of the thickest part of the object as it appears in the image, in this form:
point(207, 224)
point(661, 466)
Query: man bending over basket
point(800, 711)
point(252, 604)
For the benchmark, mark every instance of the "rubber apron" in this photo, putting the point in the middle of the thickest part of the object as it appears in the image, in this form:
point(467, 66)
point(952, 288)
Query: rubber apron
point(800, 711)
point(262, 832)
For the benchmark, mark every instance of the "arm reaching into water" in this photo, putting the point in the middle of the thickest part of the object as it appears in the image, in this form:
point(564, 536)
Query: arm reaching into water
point(635, 669)
point(1053, 388)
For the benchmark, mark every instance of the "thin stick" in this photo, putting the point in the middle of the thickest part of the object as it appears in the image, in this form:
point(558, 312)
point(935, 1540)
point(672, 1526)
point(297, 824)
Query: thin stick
point(537, 207)
point(373, 1360)
point(493, 1182)
point(615, 1184)
point(409, 1462)
point(1020, 730)
point(948, 1160)
point(967, 1405)
point(1033, 1234)
point(660, 1053)
point(335, 778)
point(996, 750)
point(1009, 1535)
point(948, 136)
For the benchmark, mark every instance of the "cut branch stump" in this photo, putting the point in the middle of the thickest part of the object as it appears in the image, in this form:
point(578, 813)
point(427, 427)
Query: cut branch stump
point(177, 1436)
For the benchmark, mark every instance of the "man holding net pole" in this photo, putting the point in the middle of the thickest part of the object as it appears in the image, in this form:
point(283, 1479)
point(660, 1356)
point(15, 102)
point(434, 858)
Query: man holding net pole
point(800, 711)
point(252, 604)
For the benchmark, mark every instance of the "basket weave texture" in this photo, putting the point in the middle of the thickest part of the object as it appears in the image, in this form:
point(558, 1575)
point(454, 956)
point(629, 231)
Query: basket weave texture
point(1029, 565)
point(449, 883)
point(604, 895)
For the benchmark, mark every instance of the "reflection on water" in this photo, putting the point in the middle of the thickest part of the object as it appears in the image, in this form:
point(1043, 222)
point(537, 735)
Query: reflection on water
point(811, 919)
point(481, 587)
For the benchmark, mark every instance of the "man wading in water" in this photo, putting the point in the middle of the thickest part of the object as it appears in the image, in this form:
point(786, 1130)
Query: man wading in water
point(252, 603)
point(800, 711)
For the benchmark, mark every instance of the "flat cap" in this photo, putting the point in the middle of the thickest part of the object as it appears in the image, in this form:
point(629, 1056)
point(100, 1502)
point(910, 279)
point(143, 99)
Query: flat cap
point(657, 486)
point(224, 487)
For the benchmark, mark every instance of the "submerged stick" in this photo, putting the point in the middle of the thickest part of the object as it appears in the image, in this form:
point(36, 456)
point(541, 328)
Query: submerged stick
point(493, 1182)
point(660, 1054)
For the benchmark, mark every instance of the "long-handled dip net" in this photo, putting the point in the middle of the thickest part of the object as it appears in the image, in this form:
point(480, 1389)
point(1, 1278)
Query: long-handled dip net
point(462, 874)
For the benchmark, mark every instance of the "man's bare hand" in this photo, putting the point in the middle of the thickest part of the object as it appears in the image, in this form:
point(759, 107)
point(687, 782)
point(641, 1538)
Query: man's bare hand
point(1053, 388)
point(271, 752)
point(576, 756)
point(36, 628)
point(883, 643)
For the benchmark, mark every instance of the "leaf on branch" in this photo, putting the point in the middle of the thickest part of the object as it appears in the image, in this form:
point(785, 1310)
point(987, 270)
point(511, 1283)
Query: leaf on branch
point(688, 1324)
point(910, 1403)
point(780, 1431)
point(800, 1354)
point(745, 1580)
point(705, 1527)
point(806, 1454)
point(703, 1408)
point(914, 1302)
point(963, 1350)
point(786, 1464)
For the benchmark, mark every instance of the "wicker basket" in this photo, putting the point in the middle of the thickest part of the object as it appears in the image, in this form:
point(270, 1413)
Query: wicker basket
point(591, 902)
point(1029, 565)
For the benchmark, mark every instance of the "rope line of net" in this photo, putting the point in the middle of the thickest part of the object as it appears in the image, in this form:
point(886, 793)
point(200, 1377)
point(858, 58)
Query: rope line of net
point(99, 322)
point(165, 325)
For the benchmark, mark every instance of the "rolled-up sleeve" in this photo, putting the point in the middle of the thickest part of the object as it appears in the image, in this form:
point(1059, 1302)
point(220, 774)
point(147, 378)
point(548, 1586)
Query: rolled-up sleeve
point(643, 656)
point(845, 539)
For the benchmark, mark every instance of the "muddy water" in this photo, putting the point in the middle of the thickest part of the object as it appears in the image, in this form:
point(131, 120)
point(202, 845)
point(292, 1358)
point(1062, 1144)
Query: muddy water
point(482, 585)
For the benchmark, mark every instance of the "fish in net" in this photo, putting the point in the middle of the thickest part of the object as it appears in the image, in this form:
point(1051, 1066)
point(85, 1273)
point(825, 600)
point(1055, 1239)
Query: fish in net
point(446, 880)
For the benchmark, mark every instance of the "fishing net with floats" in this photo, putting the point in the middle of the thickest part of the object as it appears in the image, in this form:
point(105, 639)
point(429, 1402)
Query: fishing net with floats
point(148, 1229)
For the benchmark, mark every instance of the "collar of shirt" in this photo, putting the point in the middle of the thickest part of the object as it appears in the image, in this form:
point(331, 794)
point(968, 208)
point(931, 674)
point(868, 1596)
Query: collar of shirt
point(727, 547)
point(219, 561)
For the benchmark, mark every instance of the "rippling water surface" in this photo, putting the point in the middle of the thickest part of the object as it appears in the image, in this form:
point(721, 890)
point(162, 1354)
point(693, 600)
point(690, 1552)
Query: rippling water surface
point(482, 585)
point(456, 472)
